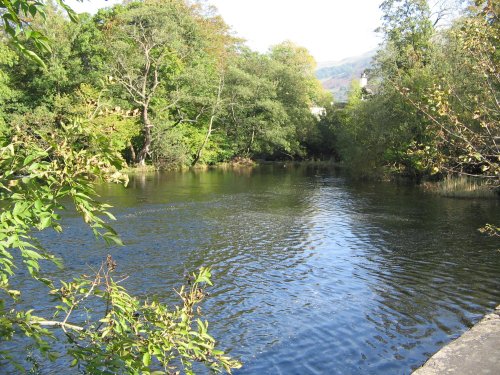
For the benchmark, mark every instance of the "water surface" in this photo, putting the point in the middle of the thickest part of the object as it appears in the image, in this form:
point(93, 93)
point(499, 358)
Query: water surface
point(313, 273)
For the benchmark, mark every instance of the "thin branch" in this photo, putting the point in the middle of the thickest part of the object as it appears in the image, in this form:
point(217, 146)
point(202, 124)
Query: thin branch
point(53, 323)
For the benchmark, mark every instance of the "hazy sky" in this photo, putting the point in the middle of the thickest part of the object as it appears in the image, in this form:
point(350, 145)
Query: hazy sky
point(329, 29)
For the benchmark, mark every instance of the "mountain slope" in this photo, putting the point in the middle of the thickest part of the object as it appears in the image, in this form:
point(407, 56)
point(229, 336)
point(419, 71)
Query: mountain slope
point(337, 76)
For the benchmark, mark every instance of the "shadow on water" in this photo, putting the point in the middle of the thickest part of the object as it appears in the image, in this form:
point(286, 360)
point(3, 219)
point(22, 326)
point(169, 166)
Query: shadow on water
point(314, 274)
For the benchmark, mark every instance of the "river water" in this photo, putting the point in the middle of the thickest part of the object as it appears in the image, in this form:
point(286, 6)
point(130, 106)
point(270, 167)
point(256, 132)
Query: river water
point(313, 273)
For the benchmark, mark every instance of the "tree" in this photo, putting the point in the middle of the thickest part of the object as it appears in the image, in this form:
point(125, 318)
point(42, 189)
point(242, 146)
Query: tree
point(462, 105)
point(215, 108)
point(254, 118)
point(39, 170)
point(386, 126)
point(407, 28)
point(435, 109)
point(298, 90)
point(217, 53)
point(7, 92)
point(95, 110)
point(60, 73)
point(151, 43)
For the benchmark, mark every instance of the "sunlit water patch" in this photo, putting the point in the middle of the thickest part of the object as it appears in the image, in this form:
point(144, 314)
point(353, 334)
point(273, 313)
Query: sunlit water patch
point(314, 274)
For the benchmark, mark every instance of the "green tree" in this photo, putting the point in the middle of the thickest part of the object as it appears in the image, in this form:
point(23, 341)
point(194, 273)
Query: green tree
point(254, 119)
point(7, 93)
point(42, 168)
point(151, 44)
point(212, 65)
point(88, 46)
point(95, 110)
point(407, 29)
point(60, 73)
point(462, 105)
point(267, 103)
point(434, 108)
point(298, 90)
point(385, 128)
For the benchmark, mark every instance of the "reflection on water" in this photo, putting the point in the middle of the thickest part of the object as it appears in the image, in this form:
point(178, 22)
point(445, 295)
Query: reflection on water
point(313, 273)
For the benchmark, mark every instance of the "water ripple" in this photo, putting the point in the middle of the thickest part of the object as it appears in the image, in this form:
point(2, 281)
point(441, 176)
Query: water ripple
point(313, 274)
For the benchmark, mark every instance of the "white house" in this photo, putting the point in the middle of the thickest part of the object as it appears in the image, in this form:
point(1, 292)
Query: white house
point(318, 111)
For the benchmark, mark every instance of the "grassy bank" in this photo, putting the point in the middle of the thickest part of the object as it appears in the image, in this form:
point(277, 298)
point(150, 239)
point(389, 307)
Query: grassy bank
point(239, 163)
point(463, 187)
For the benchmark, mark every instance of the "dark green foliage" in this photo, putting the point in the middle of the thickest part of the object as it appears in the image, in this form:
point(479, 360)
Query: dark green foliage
point(322, 141)
point(8, 92)
point(196, 95)
point(268, 100)
point(39, 169)
point(407, 29)
point(434, 108)
point(61, 132)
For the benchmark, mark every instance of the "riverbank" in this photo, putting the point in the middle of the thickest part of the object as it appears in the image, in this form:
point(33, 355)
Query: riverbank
point(463, 187)
point(234, 164)
point(477, 351)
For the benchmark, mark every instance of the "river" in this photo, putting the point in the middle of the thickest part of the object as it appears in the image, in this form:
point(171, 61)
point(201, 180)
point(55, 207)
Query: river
point(313, 273)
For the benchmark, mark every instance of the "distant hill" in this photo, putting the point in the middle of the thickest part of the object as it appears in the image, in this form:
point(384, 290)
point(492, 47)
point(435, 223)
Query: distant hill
point(336, 76)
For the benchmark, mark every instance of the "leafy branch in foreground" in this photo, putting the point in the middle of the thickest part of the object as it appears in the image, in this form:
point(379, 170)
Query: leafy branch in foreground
point(136, 336)
point(40, 168)
point(37, 171)
point(17, 18)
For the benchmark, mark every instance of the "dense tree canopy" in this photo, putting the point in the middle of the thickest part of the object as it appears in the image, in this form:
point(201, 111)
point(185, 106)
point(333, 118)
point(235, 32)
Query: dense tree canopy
point(167, 82)
point(435, 109)
point(187, 91)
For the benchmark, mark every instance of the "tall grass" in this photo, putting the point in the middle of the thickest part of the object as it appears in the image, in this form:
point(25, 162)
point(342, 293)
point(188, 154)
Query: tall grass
point(463, 187)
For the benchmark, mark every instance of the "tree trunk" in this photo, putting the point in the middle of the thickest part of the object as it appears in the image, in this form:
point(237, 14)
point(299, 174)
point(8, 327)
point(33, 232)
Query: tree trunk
point(211, 122)
point(251, 141)
point(205, 141)
point(143, 153)
point(132, 152)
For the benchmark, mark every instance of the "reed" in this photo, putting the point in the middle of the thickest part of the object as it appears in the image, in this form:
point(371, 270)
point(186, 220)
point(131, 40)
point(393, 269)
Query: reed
point(463, 187)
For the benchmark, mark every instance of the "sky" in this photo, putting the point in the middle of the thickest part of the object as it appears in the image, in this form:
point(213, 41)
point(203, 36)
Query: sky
point(330, 29)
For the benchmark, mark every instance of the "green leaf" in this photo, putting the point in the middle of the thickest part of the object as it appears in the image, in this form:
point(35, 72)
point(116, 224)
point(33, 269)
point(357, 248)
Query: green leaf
point(33, 56)
point(113, 238)
point(33, 10)
point(30, 254)
point(146, 359)
point(45, 222)
point(14, 293)
point(38, 204)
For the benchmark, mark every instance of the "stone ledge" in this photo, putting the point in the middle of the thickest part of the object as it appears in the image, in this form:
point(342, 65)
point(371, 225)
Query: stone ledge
point(476, 352)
